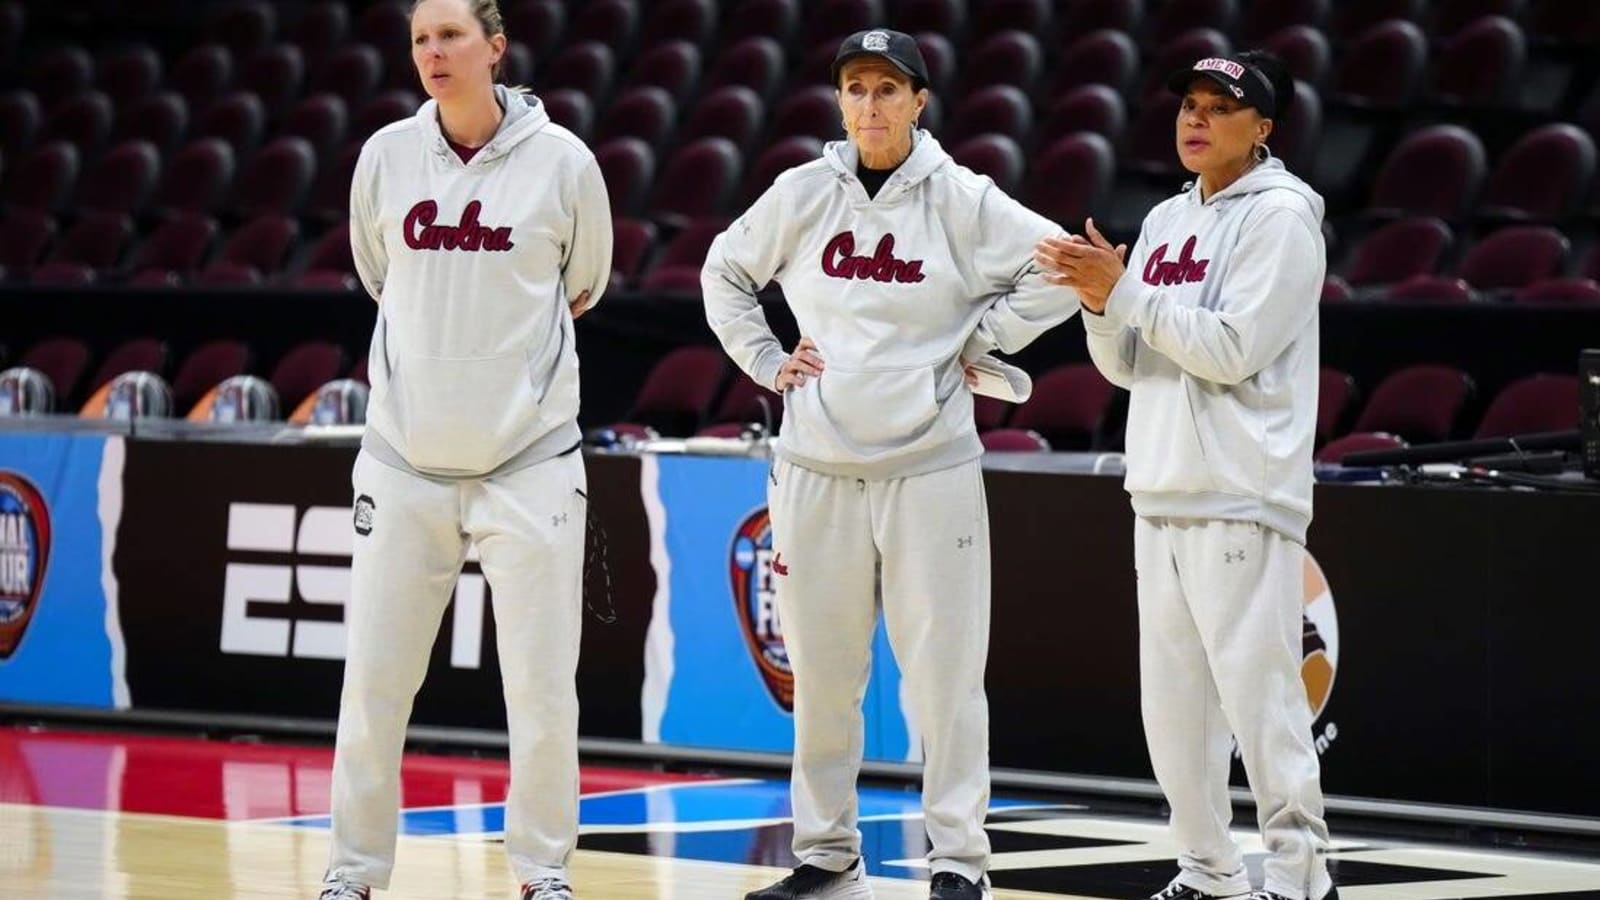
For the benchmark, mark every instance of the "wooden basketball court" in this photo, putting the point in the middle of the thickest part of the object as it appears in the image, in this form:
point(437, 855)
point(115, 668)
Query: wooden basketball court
point(125, 816)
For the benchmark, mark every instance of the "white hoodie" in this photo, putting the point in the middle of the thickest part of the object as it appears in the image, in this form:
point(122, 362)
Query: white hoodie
point(895, 290)
point(1214, 331)
point(473, 364)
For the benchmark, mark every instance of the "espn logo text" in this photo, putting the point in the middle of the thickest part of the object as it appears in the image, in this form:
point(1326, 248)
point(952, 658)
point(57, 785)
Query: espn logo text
point(288, 580)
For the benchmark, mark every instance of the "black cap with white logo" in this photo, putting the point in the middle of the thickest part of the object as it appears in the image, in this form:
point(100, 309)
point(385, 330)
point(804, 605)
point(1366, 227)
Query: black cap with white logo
point(899, 48)
point(1244, 82)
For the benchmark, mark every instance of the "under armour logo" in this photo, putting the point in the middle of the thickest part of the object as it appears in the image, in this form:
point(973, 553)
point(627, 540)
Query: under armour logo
point(365, 512)
point(560, 519)
point(963, 543)
point(1232, 556)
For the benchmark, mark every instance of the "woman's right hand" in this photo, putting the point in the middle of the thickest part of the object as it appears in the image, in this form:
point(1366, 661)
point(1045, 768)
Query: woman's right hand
point(802, 364)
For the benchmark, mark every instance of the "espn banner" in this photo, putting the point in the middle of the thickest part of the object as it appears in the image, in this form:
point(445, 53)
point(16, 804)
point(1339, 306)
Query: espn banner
point(234, 562)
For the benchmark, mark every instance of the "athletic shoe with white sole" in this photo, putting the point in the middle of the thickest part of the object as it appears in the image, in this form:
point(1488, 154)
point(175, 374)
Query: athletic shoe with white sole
point(811, 883)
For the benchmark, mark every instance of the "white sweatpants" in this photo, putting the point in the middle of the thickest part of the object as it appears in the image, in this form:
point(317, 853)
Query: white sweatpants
point(930, 533)
point(1220, 609)
point(529, 529)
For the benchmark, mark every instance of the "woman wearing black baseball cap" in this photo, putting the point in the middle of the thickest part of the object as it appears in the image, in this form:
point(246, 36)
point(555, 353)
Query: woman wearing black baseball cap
point(1212, 327)
point(900, 267)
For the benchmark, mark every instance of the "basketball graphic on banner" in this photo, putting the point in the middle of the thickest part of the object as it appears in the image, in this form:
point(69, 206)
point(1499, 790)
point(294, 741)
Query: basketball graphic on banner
point(1320, 639)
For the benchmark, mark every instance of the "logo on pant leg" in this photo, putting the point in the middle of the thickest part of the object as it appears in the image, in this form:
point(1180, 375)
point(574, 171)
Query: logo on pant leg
point(365, 510)
point(753, 568)
point(24, 553)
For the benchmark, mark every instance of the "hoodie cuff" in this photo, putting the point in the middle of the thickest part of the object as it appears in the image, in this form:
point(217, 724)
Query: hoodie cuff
point(978, 344)
point(765, 371)
point(1126, 298)
point(1100, 323)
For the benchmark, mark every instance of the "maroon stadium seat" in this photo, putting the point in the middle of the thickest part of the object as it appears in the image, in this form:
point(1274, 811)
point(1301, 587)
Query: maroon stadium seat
point(1068, 407)
point(1531, 405)
point(1398, 251)
point(1335, 450)
point(1013, 440)
point(1418, 403)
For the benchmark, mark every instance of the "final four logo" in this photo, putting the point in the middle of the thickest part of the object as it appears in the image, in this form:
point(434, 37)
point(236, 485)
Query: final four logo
point(24, 552)
point(752, 566)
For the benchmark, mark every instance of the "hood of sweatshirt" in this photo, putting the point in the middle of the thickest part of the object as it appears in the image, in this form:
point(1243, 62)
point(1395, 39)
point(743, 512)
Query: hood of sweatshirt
point(925, 159)
point(1265, 176)
point(525, 116)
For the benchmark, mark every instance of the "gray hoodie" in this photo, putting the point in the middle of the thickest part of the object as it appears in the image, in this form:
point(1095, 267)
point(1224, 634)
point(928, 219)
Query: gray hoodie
point(473, 364)
point(895, 290)
point(1214, 331)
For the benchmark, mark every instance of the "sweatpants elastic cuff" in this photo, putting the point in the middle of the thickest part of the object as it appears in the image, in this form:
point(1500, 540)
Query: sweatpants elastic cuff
point(972, 873)
point(830, 861)
point(1230, 886)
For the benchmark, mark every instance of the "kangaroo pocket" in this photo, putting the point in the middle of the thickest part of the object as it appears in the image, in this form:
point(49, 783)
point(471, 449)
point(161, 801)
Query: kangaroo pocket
point(1166, 450)
point(461, 415)
point(851, 414)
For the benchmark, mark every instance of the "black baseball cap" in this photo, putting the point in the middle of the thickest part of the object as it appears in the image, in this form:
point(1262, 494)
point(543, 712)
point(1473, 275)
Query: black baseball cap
point(1247, 83)
point(899, 48)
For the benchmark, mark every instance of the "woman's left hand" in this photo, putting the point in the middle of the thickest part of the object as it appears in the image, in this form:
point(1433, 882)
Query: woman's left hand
point(1091, 267)
point(580, 304)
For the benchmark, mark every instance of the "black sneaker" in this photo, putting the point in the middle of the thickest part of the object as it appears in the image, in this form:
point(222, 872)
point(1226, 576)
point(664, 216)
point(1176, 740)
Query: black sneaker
point(1332, 894)
point(811, 883)
point(547, 889)
point(1176, 891)
point(950, 886)
point(340, 889)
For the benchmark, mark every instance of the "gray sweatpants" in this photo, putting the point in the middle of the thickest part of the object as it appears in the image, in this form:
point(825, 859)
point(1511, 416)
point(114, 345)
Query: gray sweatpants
point(930, 533)
point(1220, 607)
point(529, 529)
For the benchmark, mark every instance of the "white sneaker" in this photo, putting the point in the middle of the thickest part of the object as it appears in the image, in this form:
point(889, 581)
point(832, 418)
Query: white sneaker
point(547, 889)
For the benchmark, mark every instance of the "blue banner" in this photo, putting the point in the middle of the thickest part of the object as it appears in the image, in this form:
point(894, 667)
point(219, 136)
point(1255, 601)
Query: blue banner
point(60, 496)
point(716, 672)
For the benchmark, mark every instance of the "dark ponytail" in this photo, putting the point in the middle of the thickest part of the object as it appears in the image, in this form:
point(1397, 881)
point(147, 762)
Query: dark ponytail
point(1277, 74)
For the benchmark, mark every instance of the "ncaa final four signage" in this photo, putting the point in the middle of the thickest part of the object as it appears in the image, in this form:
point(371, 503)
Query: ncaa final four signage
point(717, 672)
point(60, 499)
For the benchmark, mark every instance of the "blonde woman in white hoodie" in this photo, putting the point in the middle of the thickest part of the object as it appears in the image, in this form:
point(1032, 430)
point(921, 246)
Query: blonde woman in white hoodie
point(482, 229)
point(1212, 327)
point(900, 266)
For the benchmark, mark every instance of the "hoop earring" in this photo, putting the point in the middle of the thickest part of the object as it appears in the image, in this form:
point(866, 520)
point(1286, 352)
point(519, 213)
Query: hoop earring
point(1261, 153)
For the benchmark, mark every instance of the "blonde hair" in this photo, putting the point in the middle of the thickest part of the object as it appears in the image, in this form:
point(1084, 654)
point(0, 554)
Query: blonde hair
point(487, 12)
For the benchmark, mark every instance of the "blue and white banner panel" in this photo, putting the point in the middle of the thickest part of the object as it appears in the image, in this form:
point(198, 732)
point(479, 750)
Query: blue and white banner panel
point(60, 500)
point(716, 670)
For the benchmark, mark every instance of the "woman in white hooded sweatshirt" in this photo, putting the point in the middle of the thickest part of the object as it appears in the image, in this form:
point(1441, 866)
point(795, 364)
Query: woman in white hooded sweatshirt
point(482, 229)
point(900, 266)
point(1212, 327)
